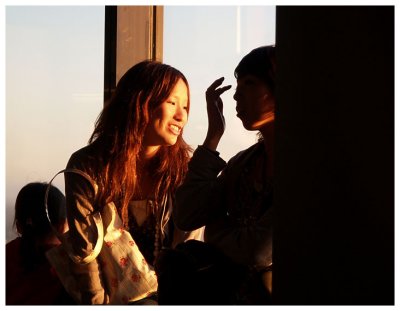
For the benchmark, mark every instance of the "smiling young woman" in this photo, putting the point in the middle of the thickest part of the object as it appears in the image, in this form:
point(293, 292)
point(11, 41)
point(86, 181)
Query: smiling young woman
point(138, 158)
point(168, 119)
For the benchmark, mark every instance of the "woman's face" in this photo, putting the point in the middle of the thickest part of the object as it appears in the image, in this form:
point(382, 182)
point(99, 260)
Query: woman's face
point(168, 119)
point(255, 104)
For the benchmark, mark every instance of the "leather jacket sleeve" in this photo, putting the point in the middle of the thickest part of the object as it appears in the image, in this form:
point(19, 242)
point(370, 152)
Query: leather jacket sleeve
point(80, 199)
point(205, 198)
point(198, 198)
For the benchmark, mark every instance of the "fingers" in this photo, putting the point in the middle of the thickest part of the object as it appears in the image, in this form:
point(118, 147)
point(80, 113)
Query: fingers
point(223, 89)
point(216, 83)
point(214, 90)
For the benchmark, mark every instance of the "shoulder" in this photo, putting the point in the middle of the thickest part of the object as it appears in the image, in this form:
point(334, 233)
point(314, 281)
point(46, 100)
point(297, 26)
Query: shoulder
point(88, 159)
point(12, 248)
point(81, 157)
point(239, 161)
point(245, 154)
point(13, 260)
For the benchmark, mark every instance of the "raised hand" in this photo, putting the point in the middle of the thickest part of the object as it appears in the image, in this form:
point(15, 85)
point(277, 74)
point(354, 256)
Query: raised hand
point(216, 119)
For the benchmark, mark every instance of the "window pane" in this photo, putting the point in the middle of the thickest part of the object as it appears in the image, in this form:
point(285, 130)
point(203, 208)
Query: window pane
point(207, 42)
point(54, 90)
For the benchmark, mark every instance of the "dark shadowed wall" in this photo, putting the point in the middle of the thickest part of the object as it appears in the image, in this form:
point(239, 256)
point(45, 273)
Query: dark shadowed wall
point(334, 233)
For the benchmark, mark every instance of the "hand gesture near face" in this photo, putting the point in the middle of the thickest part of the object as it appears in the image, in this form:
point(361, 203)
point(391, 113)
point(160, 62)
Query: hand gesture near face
point(216, 120)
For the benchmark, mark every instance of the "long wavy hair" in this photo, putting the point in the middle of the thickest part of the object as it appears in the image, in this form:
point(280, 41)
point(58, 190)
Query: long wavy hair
point(120, 130)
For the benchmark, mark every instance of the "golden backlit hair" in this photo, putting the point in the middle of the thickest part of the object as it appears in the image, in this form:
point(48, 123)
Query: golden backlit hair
point(120, 130)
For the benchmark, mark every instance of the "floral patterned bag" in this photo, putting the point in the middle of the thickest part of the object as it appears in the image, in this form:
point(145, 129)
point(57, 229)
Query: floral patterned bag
point(127, 275)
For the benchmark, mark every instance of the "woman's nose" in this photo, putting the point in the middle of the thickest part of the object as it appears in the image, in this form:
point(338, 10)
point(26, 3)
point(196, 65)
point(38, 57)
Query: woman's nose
point(180, 114)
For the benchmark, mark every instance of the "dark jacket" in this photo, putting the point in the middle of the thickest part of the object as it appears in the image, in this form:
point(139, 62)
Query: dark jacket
point(36, 286)
point(237, 212)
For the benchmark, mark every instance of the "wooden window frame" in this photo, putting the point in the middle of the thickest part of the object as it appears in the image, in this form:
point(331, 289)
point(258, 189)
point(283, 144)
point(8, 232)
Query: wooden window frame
point(132, 34)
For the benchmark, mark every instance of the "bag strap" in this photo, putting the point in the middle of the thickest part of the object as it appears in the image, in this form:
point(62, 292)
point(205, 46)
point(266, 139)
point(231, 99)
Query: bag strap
point(96, 217)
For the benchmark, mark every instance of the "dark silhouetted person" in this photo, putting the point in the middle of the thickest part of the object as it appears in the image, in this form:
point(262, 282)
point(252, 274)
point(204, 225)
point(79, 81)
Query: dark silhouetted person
point(232, 200)
point(30, 280)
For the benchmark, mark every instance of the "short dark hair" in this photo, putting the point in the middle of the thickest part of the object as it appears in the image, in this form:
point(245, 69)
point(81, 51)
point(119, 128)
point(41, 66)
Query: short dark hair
point(260, 62)
point(32, 222)
point(30, 211)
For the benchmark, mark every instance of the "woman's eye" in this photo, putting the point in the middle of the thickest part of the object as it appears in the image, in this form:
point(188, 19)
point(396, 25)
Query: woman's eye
point(172, 103)
point(186, 108)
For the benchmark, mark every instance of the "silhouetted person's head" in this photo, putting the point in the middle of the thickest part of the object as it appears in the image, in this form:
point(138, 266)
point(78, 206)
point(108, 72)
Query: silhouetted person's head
point(260, 63)
point(32, 223)
point(255, 91)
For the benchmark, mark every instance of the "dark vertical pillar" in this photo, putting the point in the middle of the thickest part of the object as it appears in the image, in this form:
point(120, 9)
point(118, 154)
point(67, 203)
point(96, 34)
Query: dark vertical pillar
point(334, 233)
point(110, 48)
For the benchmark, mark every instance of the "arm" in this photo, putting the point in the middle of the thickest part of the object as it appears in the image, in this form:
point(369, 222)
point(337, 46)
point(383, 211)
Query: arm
point(198, 199)
point(80, 203)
